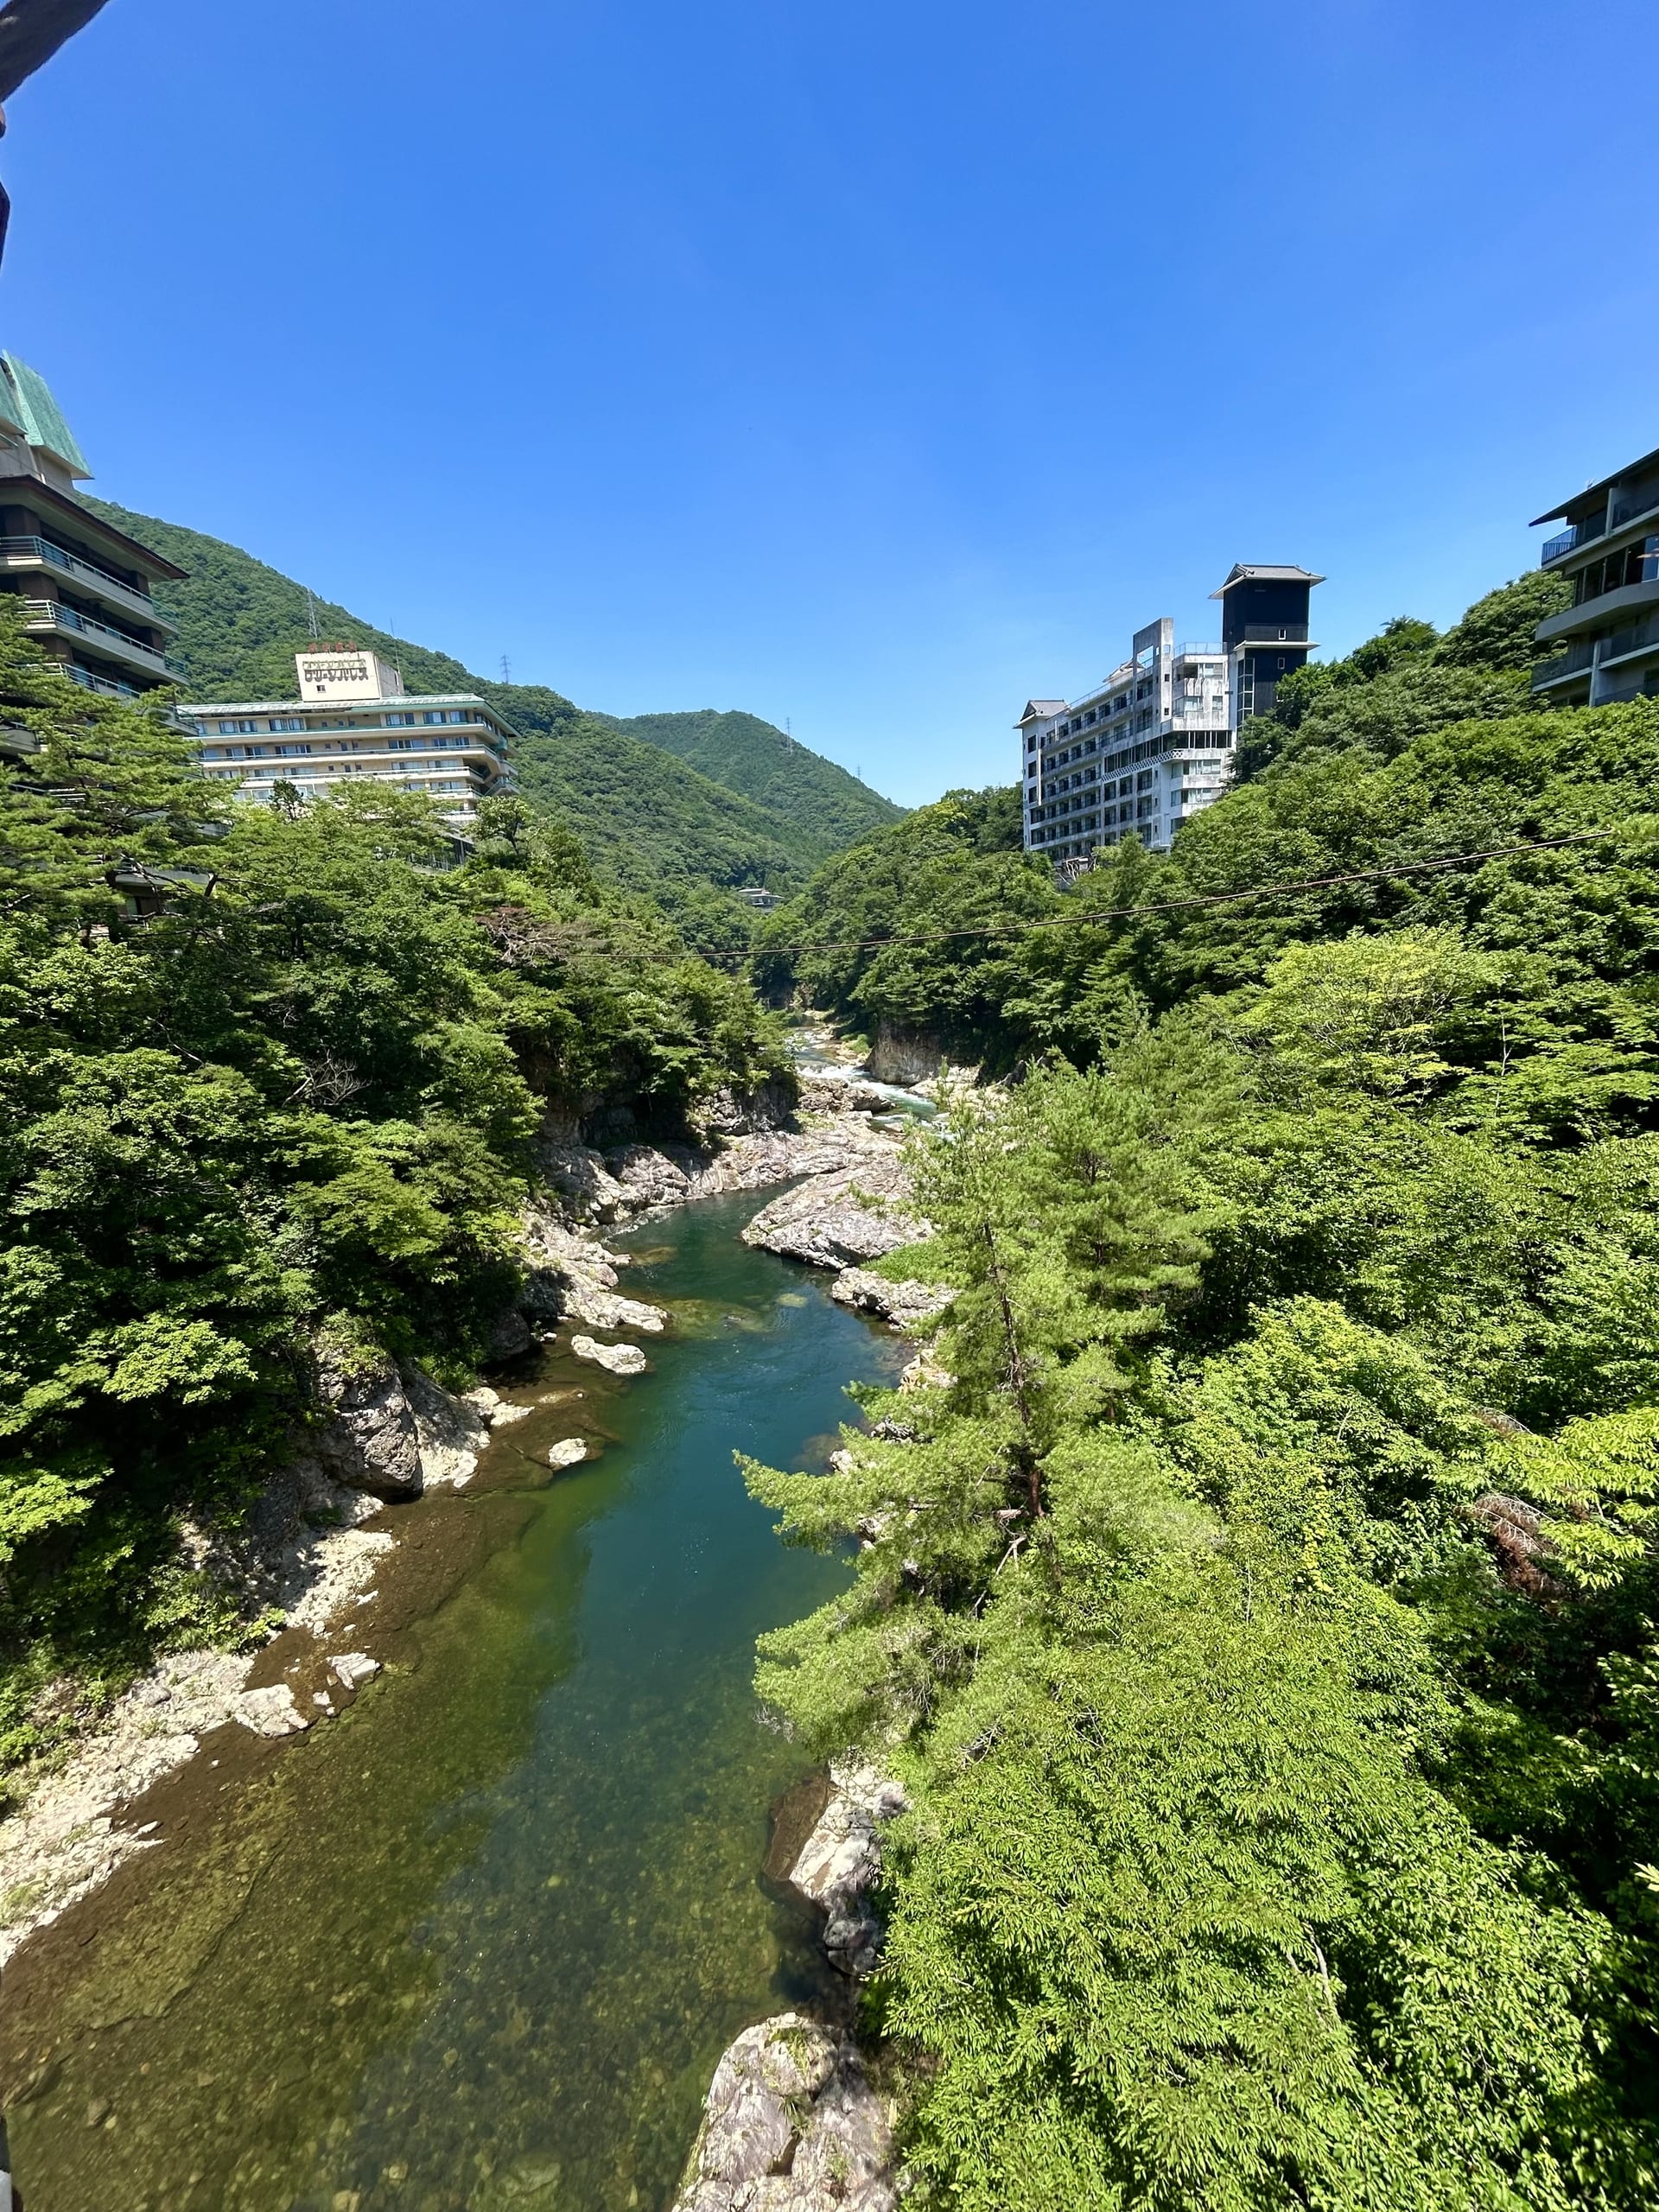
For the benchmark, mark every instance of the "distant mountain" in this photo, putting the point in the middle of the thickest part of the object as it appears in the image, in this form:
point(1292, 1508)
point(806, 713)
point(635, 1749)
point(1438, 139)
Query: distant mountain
point(757, 759)
point(655, 809)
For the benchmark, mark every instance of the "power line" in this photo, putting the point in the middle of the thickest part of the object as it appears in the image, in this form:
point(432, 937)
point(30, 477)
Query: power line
point(1167, 905)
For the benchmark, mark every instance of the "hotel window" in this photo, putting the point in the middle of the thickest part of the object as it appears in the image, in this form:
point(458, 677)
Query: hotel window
point(237, 730)
point(400, 721)
point(286, 722)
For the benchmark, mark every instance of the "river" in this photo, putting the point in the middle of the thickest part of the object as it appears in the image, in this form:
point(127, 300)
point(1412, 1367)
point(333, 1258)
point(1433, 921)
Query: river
point(475, 1945)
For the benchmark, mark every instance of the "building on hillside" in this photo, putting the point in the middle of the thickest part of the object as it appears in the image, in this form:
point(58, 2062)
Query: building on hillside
point(1143, 751)
point(86, 585)
point(1606, 644)
point(1264, 628)
point(1151, 745)
point(354, 722)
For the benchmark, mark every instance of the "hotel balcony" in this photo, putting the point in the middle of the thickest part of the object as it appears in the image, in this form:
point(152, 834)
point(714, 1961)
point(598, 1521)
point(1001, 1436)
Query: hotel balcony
point(16, 743)
point(52, 616)
point(24, 555)
point(1575, 661)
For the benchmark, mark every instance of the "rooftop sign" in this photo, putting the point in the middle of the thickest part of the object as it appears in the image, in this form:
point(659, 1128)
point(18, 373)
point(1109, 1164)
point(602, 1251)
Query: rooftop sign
point(343, 672)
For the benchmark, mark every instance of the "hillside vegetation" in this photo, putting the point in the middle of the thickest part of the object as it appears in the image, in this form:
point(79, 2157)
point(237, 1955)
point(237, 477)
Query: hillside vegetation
point(1260, 1601)
point(295, 1109)
point(673, 826)
point(822, 801)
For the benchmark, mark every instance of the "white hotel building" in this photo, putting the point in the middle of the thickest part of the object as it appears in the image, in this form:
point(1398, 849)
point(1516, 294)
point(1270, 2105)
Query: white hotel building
point(1153, 746)
point(1144, 751)
point(353, 721)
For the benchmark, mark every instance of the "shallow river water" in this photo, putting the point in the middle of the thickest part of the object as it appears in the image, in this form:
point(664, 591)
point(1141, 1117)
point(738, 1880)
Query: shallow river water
point(478, 1942)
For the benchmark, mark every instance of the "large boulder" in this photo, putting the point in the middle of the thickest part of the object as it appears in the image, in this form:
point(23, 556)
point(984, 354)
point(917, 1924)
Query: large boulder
point(840, 1861)
point(838, 1220)
point(901, 1305)
point(616, 1359)
point(367, 1439)
point(790, 2124)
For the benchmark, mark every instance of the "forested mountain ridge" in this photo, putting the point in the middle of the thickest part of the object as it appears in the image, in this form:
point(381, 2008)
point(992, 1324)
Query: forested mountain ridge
point(658, 821)
point(1258, 1599)
point(757, 759)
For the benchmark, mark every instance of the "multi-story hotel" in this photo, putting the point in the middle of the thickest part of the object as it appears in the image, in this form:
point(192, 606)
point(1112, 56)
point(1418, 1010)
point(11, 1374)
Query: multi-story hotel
point(85, 585)
point(1150, 746)
point(1143, 751)
point(353, 721)
point(1607, 642)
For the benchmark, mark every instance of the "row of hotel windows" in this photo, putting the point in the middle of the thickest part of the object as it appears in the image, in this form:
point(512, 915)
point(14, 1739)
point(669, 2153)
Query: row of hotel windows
point(1188, 741)
point(1638, 565)
point(1213, 670)
point(1145, 803)
point(304, 751)
point(1217, 705)
point(281, 725)
point(333, 774)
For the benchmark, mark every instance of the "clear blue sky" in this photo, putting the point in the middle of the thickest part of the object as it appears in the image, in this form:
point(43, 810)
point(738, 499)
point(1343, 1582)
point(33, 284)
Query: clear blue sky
point(872, 365)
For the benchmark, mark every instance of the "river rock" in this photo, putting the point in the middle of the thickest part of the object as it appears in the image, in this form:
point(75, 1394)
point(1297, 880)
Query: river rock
point(616, 1359)
point(368, 1438)
point(790, 2124)
point(840, 1091)
point(353, 1668)
point(569, 1453)
point(269, 1711)
point(840, 1861)
point(925, 1373)
point(836, 1221)
point(507, 1337)
point(899, 1304)
point(450, 1432)
point(648, 1177)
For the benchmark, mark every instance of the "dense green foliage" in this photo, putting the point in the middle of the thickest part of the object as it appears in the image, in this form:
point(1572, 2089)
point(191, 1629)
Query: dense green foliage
point(300, 1100)
point(738, 805)
point(1260, 1605)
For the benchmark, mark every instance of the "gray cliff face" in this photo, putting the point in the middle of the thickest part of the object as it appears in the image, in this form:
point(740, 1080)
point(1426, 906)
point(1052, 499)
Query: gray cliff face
point(790, 2124)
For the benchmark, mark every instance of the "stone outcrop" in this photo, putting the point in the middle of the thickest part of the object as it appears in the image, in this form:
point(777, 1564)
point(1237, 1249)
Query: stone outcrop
point(791, 2124)
point(913, 1060)
point(616, 1359)
point(840, 1860)
point(839, 1220)
point(388, 1432)
point(901, 1305)
point(367, 1439)
point(573, 1277)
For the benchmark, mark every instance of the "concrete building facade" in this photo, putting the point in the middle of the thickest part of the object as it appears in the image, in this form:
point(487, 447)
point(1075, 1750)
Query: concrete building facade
point(85, 585)
point(1152, 744)
point(1143, 751)
point(356, 723)
point(1606, 645)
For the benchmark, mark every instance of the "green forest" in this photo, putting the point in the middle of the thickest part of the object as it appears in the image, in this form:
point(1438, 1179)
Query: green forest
point(682, 806)
point(295, 1107)
point(1258, 1602)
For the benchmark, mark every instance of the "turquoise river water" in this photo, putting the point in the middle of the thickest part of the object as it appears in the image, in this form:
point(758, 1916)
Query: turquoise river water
point(475, 1945)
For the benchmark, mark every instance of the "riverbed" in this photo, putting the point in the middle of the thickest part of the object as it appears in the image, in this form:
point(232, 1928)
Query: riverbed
point(476, 1944)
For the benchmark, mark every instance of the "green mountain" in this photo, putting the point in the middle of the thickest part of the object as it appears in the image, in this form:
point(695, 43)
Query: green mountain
point(757, 759)
point(656, 812)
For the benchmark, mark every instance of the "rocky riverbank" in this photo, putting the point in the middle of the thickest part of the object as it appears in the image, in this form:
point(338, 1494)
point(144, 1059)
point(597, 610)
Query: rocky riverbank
point(381, 1435)
point(792, 2122)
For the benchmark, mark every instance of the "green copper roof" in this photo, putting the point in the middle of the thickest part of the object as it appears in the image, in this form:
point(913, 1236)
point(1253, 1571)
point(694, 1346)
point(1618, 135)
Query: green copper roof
point(27, 399)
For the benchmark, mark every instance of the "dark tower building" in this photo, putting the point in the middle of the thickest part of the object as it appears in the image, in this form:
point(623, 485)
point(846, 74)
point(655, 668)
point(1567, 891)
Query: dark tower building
point(1264, 632)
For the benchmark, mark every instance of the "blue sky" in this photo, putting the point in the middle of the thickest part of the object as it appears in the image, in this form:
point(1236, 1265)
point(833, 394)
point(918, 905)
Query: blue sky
point(871, 366)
